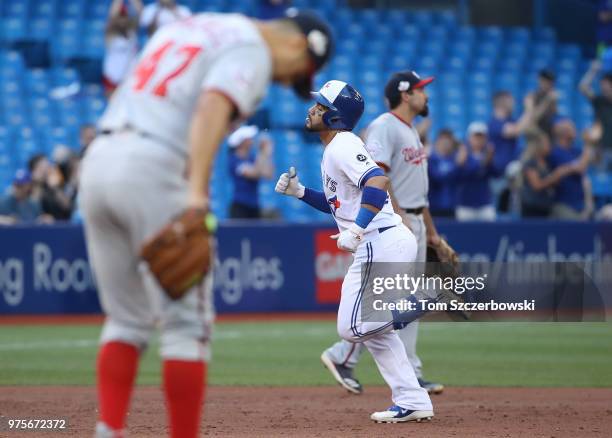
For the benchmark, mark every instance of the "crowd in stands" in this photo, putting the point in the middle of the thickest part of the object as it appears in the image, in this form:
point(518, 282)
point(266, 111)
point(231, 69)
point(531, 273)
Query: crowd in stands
point(46, 191)
point(547, 177)
point(533, 165)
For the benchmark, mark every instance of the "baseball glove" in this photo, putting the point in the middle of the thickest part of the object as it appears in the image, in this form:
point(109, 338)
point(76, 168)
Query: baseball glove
point(443, 253)
point(179, 255)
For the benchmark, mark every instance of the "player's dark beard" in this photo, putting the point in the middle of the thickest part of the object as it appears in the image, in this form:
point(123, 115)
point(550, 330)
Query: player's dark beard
point(314, 128)
point(425, 111)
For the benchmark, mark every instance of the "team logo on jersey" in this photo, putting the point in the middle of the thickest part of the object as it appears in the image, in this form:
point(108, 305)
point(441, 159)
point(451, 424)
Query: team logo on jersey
point(361, 157)
point(334, 203)
point(414, 155)
point(330, 183)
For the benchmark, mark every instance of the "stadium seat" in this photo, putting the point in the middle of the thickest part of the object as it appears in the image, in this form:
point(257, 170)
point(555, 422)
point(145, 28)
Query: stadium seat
point(15, 9)
point(45, 9)
point(518, 35)
point(41, 29)
point(544, 34)
point(72, 9)
point(14, 29)
point(490, 34)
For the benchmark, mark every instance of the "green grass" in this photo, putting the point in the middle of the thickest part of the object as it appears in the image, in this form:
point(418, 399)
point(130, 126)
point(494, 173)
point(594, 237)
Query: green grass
point(286, 353)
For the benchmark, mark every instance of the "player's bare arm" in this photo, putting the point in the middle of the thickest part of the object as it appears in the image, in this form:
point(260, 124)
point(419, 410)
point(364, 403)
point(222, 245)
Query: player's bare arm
point(208, 127)
point(433, 238)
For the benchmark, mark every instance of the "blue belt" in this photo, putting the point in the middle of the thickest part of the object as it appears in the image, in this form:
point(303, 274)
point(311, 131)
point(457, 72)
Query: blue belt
point(383, 229)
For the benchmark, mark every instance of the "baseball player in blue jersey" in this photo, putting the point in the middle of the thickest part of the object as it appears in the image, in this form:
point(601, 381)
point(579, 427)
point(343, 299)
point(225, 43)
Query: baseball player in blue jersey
point(355, 193)
point(394, 143)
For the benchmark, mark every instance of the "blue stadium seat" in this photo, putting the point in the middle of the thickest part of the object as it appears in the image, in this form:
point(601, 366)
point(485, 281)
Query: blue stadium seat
point(45, 9)
point(483, 64)
point(569, 51)
point(516, 50)
point(66, 46)
point(511, 64)
point(369, 18)
point(427, 63)
point(72, 9)
point(15, 9)
point(479, 111)
point(11, 91)
point(433, 48)
point(465, 34)
point(423, 19)
point(447, 19)
point(37, 82)
point(348, 47)
point(371, 62)
point(94, 107)
point(94, 45)
point(460, 48)
point(408, 33)
point(456, 64)
point(343, 18)
point(98, 9)
point(14, 29)
point(488, 49)
point(543, 50)
point(491, 34)
point(439, 33)
point(342, 74)
point(378, 48)
point(41, 29)
point(544, 34)
point(519, 35)
point(64, 76)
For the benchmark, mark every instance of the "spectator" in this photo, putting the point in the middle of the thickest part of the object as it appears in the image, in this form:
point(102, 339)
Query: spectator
point(504, 130)
point(121, 43)
point(573, 199)
point(53, 186)
point(442, 171)
point(539, 180)
point(271, 9)
point(160, 13)
point(18, 206)
point(246, 169)
point(602, 106)
point(545, 97)
point(475, 169)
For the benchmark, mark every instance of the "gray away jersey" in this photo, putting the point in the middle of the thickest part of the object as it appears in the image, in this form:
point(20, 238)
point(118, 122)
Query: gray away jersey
point(222, 52)
point(397, 146)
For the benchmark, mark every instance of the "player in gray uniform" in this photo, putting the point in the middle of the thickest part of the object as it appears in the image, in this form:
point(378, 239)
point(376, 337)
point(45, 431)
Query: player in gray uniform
point(394, 143)
point(161, 131)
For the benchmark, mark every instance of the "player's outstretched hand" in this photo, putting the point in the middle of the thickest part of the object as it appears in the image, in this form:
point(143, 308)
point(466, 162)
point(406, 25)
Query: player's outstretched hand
point(349, 239)
point(289, 184)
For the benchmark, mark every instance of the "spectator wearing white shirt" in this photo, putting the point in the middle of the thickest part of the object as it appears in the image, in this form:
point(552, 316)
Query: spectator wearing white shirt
point(121, 43)
point(160, 13)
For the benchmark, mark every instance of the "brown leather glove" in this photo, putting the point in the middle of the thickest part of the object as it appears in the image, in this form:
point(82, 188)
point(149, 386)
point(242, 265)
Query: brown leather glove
point(180, 254)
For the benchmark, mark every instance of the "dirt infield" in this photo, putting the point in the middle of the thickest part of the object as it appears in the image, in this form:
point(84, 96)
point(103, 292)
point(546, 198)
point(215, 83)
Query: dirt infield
point(329, 412)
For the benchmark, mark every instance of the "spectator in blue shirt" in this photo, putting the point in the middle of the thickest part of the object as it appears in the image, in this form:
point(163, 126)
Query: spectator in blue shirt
point(246, 168)
point(475, 169)
point(18, 206)
point(504, 130)
point(573, 198)
point(442, 171)
point(539, 179)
